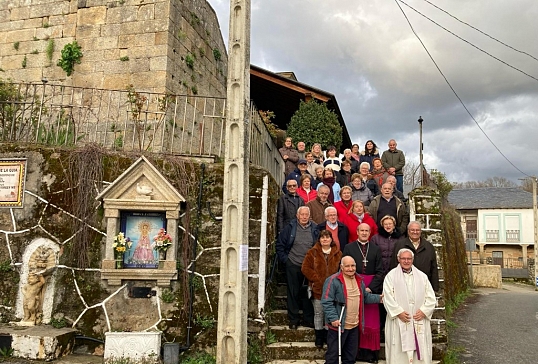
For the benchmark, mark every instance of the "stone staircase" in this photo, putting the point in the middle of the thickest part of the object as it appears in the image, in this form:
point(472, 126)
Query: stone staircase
point(297, 346)
point(293, 346)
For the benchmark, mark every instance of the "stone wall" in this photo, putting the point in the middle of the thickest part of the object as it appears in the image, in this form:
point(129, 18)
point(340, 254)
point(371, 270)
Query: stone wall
point(425, 206)
point(487, 276)
point(81, 297)
point(170, 46)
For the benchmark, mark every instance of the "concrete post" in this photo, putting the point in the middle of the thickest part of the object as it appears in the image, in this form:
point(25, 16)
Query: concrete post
point(535, 209)
point(233, 293)
point(482, 246)
point(524, 254)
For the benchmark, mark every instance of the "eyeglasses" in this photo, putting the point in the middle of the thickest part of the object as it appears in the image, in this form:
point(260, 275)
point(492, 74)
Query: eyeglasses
point(292, 186)
point(406, 259)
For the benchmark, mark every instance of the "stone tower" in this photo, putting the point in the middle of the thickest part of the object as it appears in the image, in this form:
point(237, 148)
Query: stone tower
point(160, 46)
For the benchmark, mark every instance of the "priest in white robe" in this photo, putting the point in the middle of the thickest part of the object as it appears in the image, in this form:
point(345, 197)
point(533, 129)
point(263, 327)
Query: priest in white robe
point(409, 300)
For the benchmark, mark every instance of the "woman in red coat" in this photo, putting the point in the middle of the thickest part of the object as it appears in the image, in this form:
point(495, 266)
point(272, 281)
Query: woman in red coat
point(305, 190)
point(321, 261)
point(357, 216)
point(344, 205)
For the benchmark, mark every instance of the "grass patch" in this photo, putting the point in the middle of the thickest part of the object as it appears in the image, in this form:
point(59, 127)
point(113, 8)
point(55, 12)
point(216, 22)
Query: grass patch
point(189, 60)
point(452, 355)
point(50, 49)
point(200, 357)
point(453, 304)
point(167, 295)
point(216, 54)
point(255, 350)
point(270, 338)
point(204, 322)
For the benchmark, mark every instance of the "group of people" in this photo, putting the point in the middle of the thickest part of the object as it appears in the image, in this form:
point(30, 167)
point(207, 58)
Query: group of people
point(343, 257)
point(330, 170)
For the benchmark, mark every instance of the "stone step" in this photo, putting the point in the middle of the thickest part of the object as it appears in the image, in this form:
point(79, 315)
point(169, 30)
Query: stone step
point(280, 302)
point(285, 334)
point(278, 317)
point(321, 361)
point(298, 350)
point(302, 351)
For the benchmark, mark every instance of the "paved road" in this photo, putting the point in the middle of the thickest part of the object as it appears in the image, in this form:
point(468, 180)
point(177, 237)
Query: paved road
point(498, 326)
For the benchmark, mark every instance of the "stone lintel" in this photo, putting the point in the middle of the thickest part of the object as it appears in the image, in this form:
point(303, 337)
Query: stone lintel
point(153, 205)
point(163, 276)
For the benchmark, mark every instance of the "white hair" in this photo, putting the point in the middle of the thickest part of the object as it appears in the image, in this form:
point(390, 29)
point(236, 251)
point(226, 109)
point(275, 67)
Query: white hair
point(329, 209)
point(403, 250)
point(414, 223)
point(364, 164)
point(302, 208)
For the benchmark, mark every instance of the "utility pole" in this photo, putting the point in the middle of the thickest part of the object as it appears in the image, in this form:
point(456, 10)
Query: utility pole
point(233, 284)
point(421, 166)
point(535, 208)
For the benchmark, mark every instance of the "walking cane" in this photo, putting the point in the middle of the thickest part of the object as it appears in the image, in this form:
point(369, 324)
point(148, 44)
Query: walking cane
point(340, 333)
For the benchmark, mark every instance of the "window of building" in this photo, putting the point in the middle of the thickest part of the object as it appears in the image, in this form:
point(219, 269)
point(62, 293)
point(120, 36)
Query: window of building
point(511, 223)
point(492, 228)
point(471, 231)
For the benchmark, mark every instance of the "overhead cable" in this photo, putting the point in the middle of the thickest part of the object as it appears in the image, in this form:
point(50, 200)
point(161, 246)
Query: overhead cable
point(482, 32)
point(454, 91)
point(466, 41)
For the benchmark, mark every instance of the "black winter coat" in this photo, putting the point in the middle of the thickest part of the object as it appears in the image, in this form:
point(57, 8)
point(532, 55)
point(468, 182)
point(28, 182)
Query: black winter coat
point(287, 210)
point(386, 242)
point(425, 258)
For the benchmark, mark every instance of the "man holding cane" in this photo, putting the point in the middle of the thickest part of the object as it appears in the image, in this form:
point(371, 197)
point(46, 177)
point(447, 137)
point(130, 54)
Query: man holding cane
point(343, 298)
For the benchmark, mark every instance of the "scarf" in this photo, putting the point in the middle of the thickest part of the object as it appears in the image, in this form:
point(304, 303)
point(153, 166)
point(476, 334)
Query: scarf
point(329, 182)
point(407, 330)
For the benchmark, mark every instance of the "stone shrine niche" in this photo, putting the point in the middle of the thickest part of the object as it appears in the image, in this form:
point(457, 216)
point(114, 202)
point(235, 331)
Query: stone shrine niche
point(138, 204)
point(36, 289)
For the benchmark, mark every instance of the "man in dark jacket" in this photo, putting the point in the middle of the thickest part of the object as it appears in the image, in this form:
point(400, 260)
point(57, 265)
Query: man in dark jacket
point(288, 205)
point(301, 169)
point(425, 257)
point(388, 204)
point(394, 161)
point(292, 244)
point(338, 230)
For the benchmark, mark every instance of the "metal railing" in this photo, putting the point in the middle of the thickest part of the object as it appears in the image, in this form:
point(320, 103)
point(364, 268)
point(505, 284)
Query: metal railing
point(471, 235)
point(128, 120)
point(512, 263)
point(512, 236)
point(492, 235)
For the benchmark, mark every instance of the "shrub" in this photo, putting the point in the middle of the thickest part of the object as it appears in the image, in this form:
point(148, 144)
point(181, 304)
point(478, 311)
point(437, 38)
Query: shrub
point(315, 123)
point(71, 54)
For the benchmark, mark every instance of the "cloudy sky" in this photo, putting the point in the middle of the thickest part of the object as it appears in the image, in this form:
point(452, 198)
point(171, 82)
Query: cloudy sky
point(364, 52)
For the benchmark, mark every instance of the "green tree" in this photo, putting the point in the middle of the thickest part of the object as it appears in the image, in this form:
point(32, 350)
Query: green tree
point(315, 123)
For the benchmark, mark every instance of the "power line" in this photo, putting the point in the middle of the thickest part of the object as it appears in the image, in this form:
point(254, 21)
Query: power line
point(482, 32)
point(466, 41)
point(453, 90)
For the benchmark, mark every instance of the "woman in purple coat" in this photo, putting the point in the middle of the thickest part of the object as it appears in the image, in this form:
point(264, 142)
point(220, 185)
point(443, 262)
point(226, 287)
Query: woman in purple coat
point(385, 239)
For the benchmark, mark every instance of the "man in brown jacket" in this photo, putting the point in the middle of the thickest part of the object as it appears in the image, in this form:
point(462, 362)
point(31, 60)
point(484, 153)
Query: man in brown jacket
point(318, 206)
